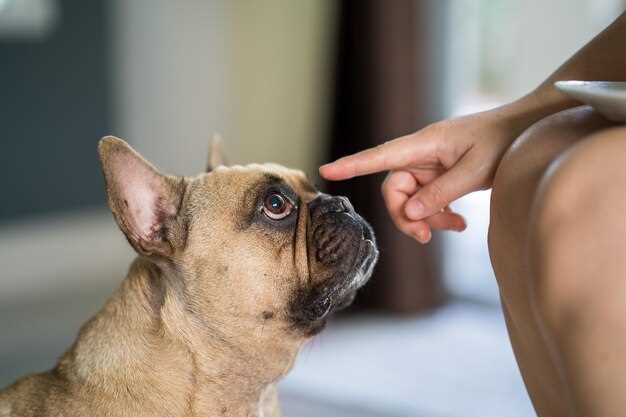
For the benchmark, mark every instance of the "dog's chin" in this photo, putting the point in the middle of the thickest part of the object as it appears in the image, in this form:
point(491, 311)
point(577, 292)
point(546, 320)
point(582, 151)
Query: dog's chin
point(313, 307)
point(345, 292)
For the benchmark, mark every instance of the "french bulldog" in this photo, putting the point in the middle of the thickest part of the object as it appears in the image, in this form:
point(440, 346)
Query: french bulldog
point(236, 269)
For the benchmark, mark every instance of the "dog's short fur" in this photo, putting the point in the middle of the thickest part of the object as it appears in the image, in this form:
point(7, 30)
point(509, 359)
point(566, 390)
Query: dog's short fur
point(221, 297)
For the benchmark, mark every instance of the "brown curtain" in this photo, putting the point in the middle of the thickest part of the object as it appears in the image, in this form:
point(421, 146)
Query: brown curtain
point(382, 91)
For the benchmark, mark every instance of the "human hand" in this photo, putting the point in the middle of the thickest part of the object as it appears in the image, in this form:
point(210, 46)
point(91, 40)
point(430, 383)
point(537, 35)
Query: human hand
point(432, 167)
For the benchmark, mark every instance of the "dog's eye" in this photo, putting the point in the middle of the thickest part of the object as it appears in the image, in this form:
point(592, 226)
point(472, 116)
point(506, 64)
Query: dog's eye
point(276, 207)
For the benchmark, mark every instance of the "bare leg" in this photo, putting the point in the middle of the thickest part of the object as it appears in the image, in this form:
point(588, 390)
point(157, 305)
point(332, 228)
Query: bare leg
point(578, 265)
point(516, 190)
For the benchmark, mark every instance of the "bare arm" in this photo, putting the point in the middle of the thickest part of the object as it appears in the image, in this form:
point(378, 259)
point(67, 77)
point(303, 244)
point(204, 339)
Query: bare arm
point(431, 168)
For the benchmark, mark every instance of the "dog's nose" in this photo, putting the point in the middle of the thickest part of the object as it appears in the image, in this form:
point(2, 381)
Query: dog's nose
point(325, 203)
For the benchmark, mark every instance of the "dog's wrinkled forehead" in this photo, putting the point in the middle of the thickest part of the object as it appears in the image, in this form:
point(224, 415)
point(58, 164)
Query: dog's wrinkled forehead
point(250, 178)
point(237, 188)
point(296, 179)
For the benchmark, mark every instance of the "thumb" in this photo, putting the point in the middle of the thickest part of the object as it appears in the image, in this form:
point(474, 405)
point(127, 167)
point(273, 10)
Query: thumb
point(436, 195)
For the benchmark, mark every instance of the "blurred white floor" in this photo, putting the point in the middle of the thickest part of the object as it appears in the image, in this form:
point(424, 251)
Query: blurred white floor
point(456, 362)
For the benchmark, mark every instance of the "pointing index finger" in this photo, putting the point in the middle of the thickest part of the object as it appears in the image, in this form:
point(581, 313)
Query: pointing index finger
point(387, 156)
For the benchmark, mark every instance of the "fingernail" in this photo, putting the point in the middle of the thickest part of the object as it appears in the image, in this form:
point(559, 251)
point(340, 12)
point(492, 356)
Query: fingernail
point(423, 236)
point(322, 169)
point(414, 210)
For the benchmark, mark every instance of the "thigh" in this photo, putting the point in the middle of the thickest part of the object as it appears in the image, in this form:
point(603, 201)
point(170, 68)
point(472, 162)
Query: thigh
point(515, 189)
point(577, 256)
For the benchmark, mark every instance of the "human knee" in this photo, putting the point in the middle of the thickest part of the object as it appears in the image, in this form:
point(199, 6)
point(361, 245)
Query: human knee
point(585, 180)
point(523, 165)
point(577, 224)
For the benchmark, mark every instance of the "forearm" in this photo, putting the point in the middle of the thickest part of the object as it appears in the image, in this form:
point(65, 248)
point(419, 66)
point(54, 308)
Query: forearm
point(603, 58)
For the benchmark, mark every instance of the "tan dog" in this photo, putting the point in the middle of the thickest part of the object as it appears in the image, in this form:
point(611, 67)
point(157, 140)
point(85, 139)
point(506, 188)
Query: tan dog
point(237, 268)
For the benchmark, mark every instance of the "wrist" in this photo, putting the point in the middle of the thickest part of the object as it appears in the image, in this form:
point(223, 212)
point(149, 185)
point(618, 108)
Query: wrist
point(544, 101)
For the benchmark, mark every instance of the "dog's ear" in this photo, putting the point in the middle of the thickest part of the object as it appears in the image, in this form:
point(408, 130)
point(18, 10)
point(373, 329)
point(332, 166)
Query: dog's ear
point(216, 156)
point(144, 202)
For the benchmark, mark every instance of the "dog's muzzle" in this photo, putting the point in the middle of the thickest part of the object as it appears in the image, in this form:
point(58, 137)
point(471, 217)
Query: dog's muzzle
point(344, 250)
point(342, 238)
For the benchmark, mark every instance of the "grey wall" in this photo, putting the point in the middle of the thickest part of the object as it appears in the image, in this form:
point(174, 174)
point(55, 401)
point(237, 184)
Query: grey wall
point(54, 106)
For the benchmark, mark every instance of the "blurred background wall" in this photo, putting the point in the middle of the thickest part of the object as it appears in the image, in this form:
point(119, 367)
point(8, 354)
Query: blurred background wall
point(56, 99)
point(256, 72)
point(291, 82)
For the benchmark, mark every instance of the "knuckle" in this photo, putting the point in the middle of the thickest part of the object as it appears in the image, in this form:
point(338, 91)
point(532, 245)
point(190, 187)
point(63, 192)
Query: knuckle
point(436, 128)
point(440, 133)
point(388, 203)
point(393, 180)
point(383, 187)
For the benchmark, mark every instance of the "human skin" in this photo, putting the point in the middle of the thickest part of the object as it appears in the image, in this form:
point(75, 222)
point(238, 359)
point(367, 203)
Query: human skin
point(557, 223)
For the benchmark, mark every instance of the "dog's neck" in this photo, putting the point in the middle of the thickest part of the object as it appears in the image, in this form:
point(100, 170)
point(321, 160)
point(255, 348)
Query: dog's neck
point(147, 346)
